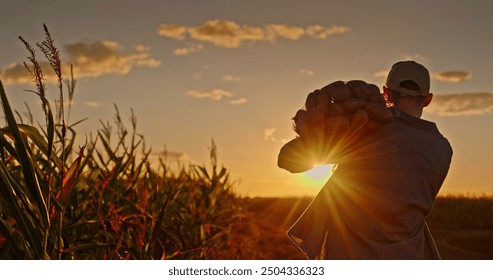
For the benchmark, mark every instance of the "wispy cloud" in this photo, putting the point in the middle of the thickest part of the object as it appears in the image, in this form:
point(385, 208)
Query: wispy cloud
point(324, 32)
point(172, 31)
point(231, 78)
point(88, 60)
point(16, 73)
point(269, 134)
point(381, 74)
point(306, 72)
point(214, 94)
point(229, 34)
point(238, 101)
point(225, 33)
point(217, 94)
point(197, 76)
point(188, 50)
point(104, 57)
point(452, 76)
point(415, 56)
point(286, 31)
point(93, 104)
point(446, 76)
point(462, 104)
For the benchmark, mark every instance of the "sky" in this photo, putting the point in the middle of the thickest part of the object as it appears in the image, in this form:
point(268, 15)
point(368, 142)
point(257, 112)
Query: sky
point(237, 72)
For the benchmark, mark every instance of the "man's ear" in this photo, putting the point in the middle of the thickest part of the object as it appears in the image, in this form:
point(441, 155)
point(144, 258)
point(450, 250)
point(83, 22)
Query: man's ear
point(386, 93)
point(428, 99)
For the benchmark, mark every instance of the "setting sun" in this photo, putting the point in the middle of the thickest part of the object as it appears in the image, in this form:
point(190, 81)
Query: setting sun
point(317, 176)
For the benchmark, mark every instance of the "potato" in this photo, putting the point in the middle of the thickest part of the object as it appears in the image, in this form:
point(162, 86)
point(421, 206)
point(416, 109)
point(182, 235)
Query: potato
point(379, 113)
point(323, 99)
point(359, 89)
point(362, 93)
point(334, 84)
point(335, 110)
point(373, 89)
point(335, 125)
point(339, 94)
point(356, 83)
point(371, 108)
point(305, 130)
point(353, 104)
point(312, 129)
point(323, 107)
point(360, 118)
point(341, 113)
point(315, 117)
point(384, 116)
point(378, 99)
point(300, 116)
point(311, 100)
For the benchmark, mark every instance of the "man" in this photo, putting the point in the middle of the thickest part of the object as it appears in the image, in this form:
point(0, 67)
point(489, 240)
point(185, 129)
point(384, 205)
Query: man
point(375, 204)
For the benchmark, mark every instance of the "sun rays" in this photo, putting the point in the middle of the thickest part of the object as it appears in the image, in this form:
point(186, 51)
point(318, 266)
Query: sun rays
point(317, 176)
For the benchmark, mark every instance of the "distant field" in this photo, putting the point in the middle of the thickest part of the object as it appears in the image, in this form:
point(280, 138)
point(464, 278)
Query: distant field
point(462, 227)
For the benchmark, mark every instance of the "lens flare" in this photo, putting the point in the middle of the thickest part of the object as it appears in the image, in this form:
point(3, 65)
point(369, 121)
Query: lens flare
point(317, 176)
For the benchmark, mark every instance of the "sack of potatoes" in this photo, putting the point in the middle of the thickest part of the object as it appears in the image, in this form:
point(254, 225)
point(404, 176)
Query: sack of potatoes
point(341, 111)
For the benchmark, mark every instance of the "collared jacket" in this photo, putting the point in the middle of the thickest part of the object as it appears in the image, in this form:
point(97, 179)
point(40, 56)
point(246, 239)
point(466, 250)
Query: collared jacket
point(375, 204)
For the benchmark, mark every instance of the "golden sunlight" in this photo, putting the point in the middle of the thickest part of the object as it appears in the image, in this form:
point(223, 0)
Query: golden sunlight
point(317, 176)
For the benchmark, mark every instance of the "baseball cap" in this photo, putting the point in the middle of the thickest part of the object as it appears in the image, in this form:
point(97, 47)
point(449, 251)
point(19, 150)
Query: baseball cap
point(409, 71)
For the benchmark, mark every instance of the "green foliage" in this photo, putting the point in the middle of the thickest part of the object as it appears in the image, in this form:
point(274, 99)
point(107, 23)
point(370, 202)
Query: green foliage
point(108, 202)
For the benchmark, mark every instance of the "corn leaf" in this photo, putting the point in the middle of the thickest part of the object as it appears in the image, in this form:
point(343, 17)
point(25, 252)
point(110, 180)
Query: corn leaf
point(71, 176)
point(25, 159)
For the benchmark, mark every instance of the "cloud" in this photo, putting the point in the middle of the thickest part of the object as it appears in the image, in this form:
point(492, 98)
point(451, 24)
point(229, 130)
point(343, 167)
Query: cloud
point(104, 57)
point(322, 32)
point(416, 57)
point(225, 33)
point(306, 72)
point(452, 76)
point(188, 50)
point(88, 60)
point(238, 101)
point(229, 34)
point(231, 78)
point(284, 140)
point(93, 104)
point(447, 76)
point(381, 74)
point(462, 104)
point(197, 76)
point(141, 48)
point(214, 94)
point(17, 73)
point(172, 31)
point(269, 134)
point(217, 95)
point(285, 31)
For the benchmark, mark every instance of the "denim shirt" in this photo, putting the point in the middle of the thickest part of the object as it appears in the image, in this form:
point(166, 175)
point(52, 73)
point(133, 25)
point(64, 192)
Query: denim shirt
point(375, 204)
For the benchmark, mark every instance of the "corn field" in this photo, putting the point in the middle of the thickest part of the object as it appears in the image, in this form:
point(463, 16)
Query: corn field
point(102, 200)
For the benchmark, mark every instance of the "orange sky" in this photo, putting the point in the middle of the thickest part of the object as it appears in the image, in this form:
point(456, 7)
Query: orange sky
point(237, 71)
